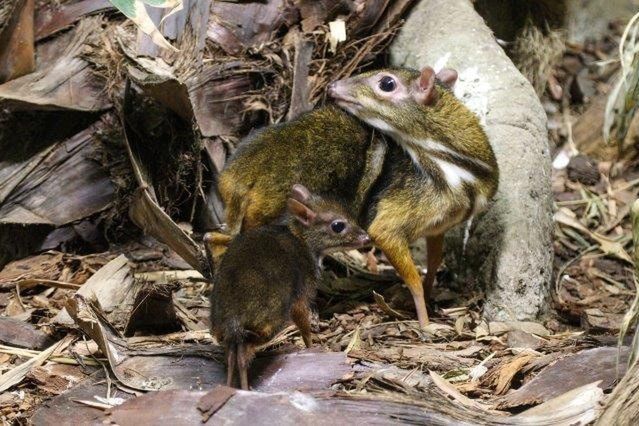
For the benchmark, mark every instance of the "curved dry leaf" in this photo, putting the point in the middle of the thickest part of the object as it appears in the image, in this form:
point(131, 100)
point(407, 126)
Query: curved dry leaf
point(497, 328)
point(136, 12)
point(579, 406)
point(457, 396)
point(381, 302)
point(174, 5)
point(508, 371)
point(16, 374)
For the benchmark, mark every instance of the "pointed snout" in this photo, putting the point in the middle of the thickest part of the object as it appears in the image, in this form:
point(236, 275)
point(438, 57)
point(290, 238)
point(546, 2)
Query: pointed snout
point(332, 89)
point(364, 240)
point(341, 92)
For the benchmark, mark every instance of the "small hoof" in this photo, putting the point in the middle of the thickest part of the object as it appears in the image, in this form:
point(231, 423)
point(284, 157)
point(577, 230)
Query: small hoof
point(424, 335)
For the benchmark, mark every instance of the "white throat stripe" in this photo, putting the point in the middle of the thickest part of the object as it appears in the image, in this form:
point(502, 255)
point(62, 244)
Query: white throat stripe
point(381, 125)
point(432, 145)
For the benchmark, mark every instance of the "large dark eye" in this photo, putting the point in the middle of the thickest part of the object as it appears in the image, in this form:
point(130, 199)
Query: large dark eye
point(387, 84)
point(338, 226)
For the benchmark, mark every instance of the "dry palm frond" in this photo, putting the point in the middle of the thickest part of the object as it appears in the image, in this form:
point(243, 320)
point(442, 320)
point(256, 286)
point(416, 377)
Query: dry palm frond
point(622, 103)
point(5, 12)
point(622, 407)
point(536, 53)
point(136, 12)
point(631, 319)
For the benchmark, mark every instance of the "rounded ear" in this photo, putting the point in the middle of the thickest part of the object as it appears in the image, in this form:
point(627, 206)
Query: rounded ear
point(426, 92)
point(448, 77)
point(300, 193)
point(300, 211)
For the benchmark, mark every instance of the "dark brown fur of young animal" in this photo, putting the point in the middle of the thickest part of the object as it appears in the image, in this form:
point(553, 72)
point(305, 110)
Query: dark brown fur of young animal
point(268, 276)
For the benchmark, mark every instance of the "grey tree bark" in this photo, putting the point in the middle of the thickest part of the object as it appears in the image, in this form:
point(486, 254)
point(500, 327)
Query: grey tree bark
point(509, 250)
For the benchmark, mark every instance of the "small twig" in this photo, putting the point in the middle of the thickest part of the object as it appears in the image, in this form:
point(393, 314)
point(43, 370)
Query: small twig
point(568, 122)
point(28, 353)
point(106, 372)
point(367, 327)
point(92, 404)
point(560, 272)
point(20, 298)
point(40, 281)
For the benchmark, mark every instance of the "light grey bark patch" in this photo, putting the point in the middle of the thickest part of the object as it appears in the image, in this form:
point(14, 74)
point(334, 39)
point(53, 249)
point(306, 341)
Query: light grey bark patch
point(510, 246)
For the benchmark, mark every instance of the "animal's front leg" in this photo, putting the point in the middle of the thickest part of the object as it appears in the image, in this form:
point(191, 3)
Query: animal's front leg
point(301, 316)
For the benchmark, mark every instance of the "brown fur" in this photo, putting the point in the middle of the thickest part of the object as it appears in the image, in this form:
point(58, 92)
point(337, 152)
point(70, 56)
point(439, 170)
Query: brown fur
point(413, 197)
point(326, 149)
point(263, 274)
point(268, 277)
point(410, 198)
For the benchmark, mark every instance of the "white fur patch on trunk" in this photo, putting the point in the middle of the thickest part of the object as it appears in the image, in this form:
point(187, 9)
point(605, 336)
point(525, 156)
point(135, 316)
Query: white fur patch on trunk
point(454, 174)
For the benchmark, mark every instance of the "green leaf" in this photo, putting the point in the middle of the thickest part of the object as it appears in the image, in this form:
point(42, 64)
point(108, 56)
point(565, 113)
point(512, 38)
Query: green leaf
point(127, 7)
point(164, 3)
point(136, 11)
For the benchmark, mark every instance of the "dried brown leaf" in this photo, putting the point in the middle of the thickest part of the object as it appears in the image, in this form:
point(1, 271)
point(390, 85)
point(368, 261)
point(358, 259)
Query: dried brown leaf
point(451, 391)
point(16, 374)
point(381, 302)
point(508, 371)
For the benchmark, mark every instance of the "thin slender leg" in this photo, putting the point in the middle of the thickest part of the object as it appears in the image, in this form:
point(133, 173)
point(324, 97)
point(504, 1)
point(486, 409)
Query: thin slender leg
point(245, 354)
point(434, 251)
point(301, 316)
point(234, 197)
point(243, 361)
point(231, 355)
point(398, 254)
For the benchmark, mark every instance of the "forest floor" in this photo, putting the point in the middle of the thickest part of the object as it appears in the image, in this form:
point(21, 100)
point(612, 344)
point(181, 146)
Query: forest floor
point(503, 366)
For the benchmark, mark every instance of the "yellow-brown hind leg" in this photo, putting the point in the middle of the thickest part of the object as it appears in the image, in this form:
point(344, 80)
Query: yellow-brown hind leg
point(234, 197)
point(398, 253)
point(215, 244)
point(434, 251)
point(261, 208)
point(301, 316)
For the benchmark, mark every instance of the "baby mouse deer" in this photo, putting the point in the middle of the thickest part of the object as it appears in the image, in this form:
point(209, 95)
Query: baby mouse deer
point(269, 274)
